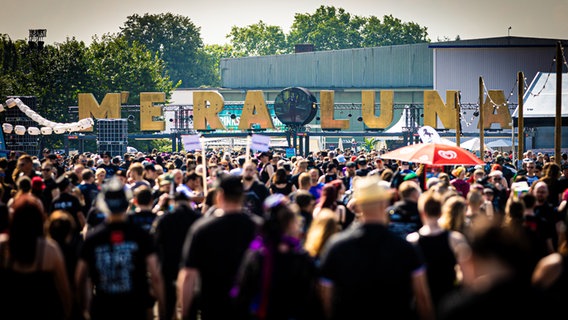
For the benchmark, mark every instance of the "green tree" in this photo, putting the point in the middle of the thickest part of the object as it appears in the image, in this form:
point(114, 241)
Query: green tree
point(392, 31)
point(214, 53)
point(175, 39)
point(8, 66)
point(328, 29)
point(369, 143)
point(115, 65)
point(258, 39)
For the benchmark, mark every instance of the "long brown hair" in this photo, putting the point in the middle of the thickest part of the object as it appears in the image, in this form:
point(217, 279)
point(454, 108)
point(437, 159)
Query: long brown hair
point(26, 226)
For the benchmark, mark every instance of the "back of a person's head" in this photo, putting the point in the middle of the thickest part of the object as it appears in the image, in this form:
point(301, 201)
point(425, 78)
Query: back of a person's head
point(328, 198)
point(87, 174)
point(278, 215)
point(453, 214)
point(190, 175)
point(280, 176)
point(137, 168)
point(60, 226)
point(232, 188)
point(323, 226)
point(143, 195)
point(26, 226)
point(303, 198)
point(492, 242)
point(408, 188)
point(474, 198)
point(387, 174)
point(551, 170)
point(430, 204)
point(529, 200)
point(24, 184)
point(514, 210)
point(304, 180)
point(114, 198)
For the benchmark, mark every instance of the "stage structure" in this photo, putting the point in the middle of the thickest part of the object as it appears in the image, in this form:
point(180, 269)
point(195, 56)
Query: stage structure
point(112, 136)
point(16, 140)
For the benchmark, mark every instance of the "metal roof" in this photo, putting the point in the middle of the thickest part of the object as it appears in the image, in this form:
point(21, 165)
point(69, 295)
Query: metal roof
point(402, 66)
point(499, 42)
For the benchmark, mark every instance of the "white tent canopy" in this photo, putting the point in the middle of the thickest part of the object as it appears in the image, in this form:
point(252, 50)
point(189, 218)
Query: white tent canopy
point(400, 124)
point(540, 97)
point(473, 145)
point(501, 143)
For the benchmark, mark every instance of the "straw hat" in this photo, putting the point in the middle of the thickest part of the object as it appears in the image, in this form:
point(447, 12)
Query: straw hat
point(369, 189)
point(457, 171)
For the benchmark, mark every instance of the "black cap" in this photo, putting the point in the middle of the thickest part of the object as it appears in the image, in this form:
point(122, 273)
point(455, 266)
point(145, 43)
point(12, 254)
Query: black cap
point(150, 166)
point(351, 164)
point(114, 196)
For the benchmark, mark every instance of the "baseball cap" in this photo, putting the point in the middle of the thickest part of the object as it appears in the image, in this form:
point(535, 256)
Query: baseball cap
point(411, 175)
point(114, 198)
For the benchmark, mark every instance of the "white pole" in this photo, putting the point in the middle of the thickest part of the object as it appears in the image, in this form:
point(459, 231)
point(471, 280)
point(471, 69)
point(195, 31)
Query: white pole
point(204, 162)
point(248, 149)
point(515, 162)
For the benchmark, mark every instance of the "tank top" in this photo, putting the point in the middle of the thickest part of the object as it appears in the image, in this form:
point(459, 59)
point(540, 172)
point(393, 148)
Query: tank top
point(36, 290)
point(440, 264)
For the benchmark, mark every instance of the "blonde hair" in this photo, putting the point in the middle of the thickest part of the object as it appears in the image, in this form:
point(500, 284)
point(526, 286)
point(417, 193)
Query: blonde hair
point(99, 170)
point(323, 226)
point(453, 214)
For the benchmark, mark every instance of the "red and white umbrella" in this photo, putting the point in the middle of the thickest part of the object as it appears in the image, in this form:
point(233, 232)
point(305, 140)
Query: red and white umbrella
point(434, 154)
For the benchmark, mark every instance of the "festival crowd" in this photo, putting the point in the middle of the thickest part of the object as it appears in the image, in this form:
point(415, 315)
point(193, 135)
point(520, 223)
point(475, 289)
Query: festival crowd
point(338, 234)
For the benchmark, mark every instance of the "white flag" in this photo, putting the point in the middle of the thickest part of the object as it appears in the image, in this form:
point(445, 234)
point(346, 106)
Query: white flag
point(191, 142)
point(260, 142)
point(429, 135)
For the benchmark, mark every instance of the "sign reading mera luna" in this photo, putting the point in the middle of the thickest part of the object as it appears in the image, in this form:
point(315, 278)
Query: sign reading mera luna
point(208, 104)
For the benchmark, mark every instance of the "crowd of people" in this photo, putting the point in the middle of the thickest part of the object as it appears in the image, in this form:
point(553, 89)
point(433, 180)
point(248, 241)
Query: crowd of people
point(338, 234)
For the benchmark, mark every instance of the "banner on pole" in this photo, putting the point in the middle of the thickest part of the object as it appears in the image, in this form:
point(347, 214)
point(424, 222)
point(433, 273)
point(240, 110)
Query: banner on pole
point(260, 142)
point(428, 135)
point(191, 142)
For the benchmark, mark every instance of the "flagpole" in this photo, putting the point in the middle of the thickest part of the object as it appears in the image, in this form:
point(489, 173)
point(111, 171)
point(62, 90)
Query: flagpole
point(204, 162)
point(248, 149)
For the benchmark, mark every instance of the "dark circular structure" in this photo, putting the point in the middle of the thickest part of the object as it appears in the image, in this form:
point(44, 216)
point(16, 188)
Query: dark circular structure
point(295, 106)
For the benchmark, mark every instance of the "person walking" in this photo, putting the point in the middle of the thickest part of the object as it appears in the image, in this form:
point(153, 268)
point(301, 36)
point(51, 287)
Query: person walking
point(32, 267)
point(368, 271)
point(213, 252)
point(115, 261)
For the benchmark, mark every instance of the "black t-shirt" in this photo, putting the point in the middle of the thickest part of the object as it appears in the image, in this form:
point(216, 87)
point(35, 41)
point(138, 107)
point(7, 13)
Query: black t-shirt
point(47, 193)
point(404, 218)
point(215, 246)
point(144, 219)
point(90, 192)
point(69, 203)
point(254, 198)
point(291, 294)
point(371, 271)
point(116, 256)
point(169, 235)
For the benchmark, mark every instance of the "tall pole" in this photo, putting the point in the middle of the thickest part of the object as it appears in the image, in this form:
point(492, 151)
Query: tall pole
point(520, 114)
point(458, 119)
point(481, 124)
point(558, 122)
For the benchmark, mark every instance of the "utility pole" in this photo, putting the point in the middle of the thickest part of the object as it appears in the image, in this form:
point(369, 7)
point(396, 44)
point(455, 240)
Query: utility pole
point(481, 124)
point(558, 122)
point(458, 118)
point(520, 115)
